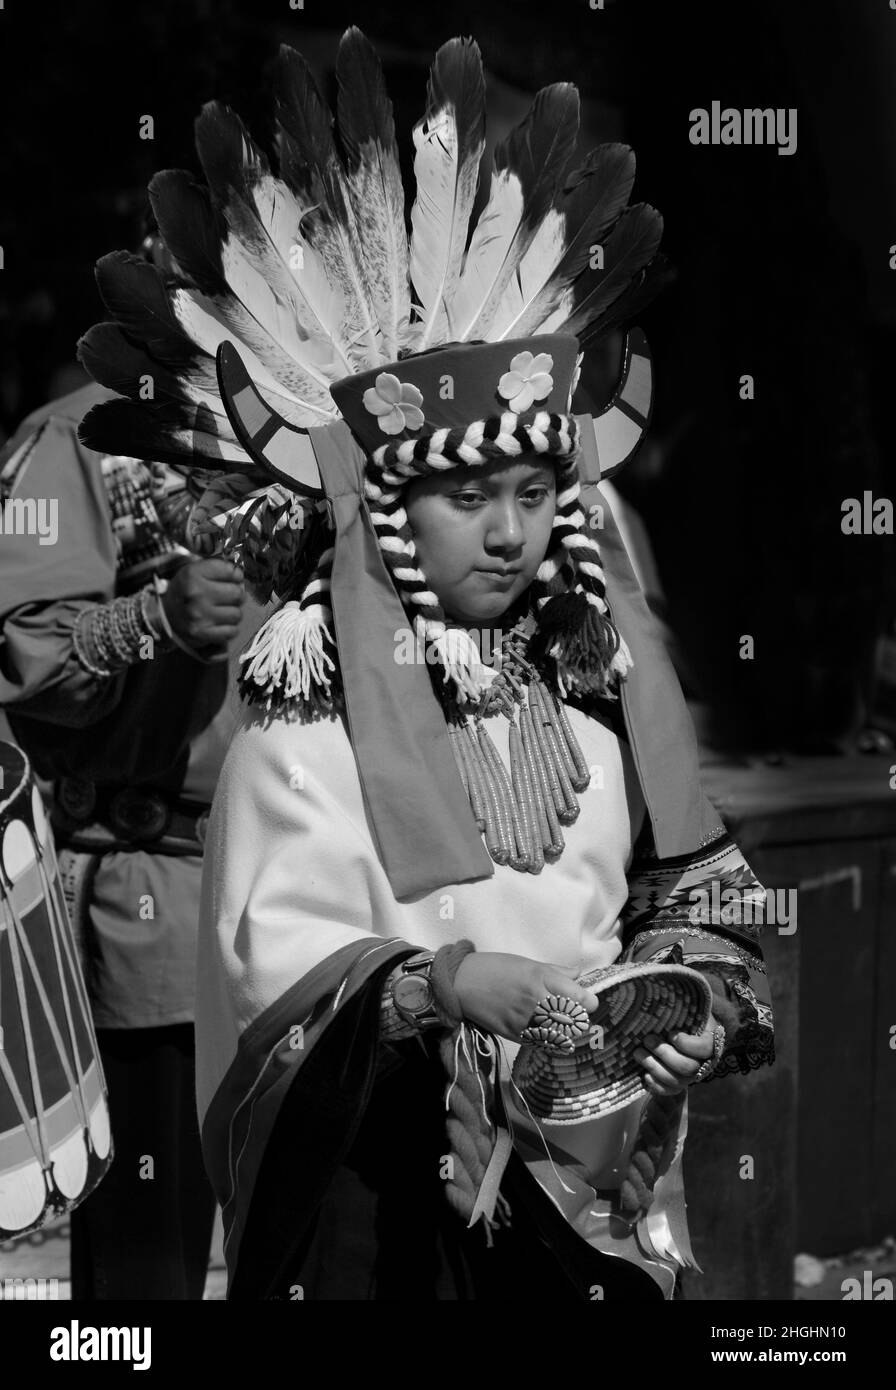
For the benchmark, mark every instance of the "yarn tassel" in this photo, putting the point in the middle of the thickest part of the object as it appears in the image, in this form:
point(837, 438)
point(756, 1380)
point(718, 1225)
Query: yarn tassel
point(459, 658)
point(585, 655)
point(287, 658)
point(590, 654)
point(622, 662)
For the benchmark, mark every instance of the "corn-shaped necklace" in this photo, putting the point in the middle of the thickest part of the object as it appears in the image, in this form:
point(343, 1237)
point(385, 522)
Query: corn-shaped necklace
point(521, 815)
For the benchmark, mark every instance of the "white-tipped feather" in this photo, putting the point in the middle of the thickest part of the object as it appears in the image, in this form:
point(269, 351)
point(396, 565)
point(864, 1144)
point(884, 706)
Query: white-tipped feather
point(308, 270)
point(264, 221)
point(449, 141)
point(373, 178)
point(632, 245)
point(208, 323)
point(311, 167)
point(277, 338)
point(298, 277)
point(334, 241)
point(534, 270)
point(566, 241)
point(529, 164)
point(490, 261)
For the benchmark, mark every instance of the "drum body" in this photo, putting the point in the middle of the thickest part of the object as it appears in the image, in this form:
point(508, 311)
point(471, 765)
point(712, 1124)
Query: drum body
point(55, 1142)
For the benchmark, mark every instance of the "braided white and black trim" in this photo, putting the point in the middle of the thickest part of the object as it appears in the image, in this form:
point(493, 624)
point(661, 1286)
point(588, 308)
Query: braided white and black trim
point(589, 655)
point(573, 563)
point(505, 435)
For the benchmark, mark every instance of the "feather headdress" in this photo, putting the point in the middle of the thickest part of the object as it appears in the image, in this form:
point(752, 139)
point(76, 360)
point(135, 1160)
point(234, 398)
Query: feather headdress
point(305, 266)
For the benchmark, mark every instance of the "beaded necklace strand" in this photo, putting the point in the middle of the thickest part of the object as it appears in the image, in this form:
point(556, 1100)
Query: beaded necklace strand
point(521, 815)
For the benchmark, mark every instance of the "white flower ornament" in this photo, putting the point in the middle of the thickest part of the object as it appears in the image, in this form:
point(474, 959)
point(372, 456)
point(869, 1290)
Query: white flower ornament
point(395, 403)
point(528, 380)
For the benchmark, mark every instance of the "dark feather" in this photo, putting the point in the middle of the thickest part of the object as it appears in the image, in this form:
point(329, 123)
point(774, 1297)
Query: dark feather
point(593, 198)
point(367, 132)
point(363, 109)
point(531, 161)
point(227, 152)
point(449, 141)
point(114, 361)
point(175, 434)
point(123, 366)
point(645, 287)
point(311, 167)
point(631, 245)
point(540, 148)
point(190, 227)
point(304, 123)
point(134, 293)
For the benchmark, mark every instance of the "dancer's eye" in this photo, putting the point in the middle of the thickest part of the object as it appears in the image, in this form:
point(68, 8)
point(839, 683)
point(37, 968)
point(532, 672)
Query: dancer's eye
point(534, 496)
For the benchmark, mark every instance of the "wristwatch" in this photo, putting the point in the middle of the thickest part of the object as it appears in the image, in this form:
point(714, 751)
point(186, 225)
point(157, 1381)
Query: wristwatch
point(412, 993)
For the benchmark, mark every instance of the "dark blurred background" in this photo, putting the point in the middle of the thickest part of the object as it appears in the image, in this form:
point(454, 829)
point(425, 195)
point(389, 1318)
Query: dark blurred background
point(783, 273)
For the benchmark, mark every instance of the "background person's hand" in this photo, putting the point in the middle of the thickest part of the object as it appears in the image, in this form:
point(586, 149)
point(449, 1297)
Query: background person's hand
point(204, 602)
point(670, 1067)
point(499, 992)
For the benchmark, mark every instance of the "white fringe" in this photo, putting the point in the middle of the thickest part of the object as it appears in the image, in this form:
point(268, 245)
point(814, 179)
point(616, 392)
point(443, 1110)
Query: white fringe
point(459, 658)
point(622, 661)
point(287, 653)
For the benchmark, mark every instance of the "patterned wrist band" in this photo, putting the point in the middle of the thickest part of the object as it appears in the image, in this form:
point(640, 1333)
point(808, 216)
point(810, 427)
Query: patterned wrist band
point(107, 637)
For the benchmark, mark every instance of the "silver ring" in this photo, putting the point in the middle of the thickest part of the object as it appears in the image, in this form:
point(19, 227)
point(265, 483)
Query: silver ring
point(711, 1063)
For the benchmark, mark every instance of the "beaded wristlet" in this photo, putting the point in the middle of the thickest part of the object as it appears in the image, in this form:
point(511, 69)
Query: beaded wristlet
point(107, 637)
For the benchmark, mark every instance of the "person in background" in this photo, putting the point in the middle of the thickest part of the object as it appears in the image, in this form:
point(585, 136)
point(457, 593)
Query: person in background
point(114, 643)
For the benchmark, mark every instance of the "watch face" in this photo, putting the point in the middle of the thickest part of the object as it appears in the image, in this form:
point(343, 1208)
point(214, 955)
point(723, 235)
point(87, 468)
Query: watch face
point(412, 993)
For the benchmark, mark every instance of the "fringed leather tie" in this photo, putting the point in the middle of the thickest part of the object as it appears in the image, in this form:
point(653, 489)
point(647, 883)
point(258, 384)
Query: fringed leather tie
point(478, 1149)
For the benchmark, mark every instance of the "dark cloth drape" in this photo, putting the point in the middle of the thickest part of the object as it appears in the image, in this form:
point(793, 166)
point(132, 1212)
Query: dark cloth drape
point(348, 1201)
point(385, 1231)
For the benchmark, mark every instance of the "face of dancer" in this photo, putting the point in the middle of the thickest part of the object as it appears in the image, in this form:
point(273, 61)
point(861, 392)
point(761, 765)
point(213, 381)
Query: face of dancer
point(482, 533)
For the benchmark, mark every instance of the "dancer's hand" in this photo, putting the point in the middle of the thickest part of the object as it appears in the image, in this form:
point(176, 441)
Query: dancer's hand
point(499, 992)
point(204, 602)
point(670, 1067)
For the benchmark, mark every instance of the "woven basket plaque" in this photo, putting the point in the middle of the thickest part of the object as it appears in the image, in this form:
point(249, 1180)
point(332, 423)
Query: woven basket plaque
point(602, 1074)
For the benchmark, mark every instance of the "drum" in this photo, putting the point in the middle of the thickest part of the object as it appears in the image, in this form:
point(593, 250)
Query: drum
point(55, 1140)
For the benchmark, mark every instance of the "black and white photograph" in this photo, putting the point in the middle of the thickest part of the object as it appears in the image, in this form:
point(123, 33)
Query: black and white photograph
point(447, 672)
